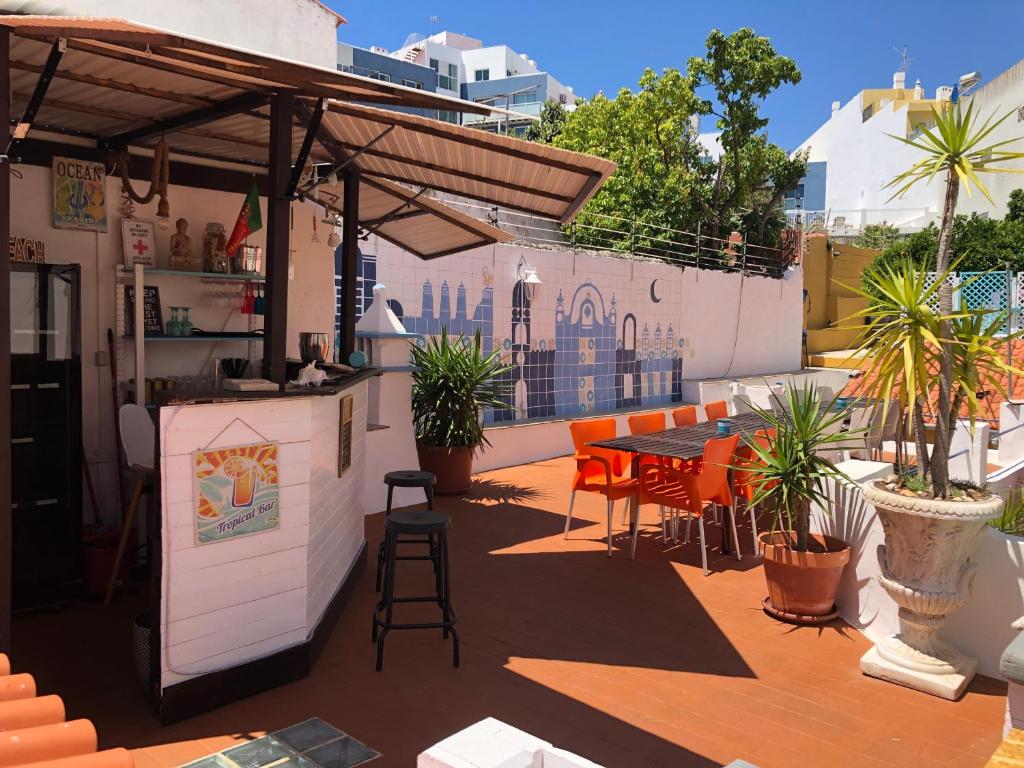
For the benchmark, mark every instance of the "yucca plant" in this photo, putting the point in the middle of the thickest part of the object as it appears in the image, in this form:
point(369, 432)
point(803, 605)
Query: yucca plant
point(956, 153)
point(453, 381)
point(791, 466)
point(910, 358)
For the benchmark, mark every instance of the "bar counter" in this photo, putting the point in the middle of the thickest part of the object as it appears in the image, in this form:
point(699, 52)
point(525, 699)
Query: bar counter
point(261, 527)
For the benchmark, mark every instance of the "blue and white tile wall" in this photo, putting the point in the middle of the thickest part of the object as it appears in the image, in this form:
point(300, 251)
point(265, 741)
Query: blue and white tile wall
point(600, 334)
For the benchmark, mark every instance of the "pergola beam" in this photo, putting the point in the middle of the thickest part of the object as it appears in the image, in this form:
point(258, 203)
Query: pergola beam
point(39, 92)
point(232, 106)
point(312, 127)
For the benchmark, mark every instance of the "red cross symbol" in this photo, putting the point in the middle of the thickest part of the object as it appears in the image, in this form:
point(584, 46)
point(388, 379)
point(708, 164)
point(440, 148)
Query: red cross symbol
point(140, 247)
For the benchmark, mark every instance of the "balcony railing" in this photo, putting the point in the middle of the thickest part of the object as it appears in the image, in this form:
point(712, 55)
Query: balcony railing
point(637, 240)
point(853, 222)
point(531, 109)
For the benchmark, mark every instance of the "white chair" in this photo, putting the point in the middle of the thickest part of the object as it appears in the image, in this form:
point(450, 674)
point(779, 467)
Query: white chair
point(138, 443)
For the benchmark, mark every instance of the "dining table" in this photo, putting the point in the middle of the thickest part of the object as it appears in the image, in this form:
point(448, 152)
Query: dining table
point(686, 443)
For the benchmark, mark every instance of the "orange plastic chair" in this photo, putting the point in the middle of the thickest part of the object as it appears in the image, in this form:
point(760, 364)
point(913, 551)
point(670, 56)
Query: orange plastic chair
point(746, 481)
point(599, 470)
point(683, 491)
point(646, 424)
point(686, 416)
point(716, 410)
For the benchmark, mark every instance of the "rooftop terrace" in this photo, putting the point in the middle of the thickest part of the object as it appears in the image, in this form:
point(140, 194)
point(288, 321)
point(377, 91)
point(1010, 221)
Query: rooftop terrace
point(628, 663)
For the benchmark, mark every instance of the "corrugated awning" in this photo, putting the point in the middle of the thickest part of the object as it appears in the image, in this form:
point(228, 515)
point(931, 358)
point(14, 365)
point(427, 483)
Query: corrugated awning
point(411, 220)
point(495, 169)
point(124, 85)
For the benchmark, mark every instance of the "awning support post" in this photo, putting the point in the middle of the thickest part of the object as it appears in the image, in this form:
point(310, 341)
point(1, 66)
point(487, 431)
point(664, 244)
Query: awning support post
point(349, 255)
point(275, 342)
point(5, 354)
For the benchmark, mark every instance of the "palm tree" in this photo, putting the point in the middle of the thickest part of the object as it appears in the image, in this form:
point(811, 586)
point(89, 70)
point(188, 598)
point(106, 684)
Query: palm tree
point(953, 150)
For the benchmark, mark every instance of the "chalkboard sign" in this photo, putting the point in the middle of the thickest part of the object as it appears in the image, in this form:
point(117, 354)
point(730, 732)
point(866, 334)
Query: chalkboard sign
point(152, 318)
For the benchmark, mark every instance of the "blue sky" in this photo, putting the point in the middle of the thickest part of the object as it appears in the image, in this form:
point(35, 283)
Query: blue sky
point(839, 47)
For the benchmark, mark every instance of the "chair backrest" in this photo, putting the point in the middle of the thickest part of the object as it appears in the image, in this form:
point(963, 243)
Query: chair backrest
point(590, 430)
point(717, 409)
point(745, 481)
point(686, 416)
point(646, 423)
point(138, 436)
point(713, 480)
point(742, 404)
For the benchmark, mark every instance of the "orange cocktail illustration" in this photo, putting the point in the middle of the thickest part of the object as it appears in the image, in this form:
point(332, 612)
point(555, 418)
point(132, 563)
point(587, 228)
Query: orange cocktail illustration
point(242, 470)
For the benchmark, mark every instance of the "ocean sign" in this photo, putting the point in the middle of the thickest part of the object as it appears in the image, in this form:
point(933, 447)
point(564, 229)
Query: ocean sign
point(235, 491)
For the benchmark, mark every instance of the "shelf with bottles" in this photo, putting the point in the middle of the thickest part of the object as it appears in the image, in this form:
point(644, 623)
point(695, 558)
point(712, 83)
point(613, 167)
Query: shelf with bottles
point(207, 276)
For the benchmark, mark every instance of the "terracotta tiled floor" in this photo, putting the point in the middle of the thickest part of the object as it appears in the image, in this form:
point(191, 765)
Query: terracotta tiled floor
point(628, 663)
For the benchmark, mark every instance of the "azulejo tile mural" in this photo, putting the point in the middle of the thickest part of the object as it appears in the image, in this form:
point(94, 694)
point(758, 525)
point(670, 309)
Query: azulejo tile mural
point(582, 353)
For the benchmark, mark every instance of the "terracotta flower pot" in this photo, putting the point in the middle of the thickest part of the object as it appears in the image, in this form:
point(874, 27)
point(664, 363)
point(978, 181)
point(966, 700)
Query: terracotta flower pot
point(452, 467)
point(802, 586)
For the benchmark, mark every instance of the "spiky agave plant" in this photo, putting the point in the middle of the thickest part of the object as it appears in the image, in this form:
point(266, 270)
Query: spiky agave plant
point(453, 381)
point(791, 466)
point(954, 150)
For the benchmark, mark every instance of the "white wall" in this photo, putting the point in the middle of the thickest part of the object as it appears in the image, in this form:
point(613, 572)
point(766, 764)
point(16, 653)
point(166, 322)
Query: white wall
point(1003, 94)
point(862, 159)
point(228, 602)
point(311, 294)
point(303, 30)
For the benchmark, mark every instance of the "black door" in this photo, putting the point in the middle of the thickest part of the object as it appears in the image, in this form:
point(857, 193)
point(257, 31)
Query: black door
point(46, 434)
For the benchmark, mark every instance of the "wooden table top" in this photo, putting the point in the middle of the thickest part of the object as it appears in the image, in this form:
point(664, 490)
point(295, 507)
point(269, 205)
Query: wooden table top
point(682, 442)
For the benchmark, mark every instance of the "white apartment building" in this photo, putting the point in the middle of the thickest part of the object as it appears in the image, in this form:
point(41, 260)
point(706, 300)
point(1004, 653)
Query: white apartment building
point(852, 158)
point(494, 74)
point(999, 96)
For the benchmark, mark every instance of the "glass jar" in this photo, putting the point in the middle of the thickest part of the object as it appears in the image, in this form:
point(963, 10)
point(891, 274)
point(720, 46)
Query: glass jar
point(185, 324)
point(215, 243)
point(173, 326)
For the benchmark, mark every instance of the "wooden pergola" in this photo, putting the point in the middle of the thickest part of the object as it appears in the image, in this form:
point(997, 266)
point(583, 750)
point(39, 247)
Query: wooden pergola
point(96, 86)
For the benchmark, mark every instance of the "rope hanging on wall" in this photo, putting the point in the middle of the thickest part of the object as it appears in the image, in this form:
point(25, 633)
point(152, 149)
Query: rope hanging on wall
point(158, 180)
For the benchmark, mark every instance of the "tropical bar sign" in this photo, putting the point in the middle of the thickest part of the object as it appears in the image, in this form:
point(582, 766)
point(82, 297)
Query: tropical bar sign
point(236, 491)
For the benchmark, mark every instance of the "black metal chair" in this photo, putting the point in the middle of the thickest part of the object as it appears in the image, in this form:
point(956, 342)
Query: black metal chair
point(433, 526)
point(406, 478)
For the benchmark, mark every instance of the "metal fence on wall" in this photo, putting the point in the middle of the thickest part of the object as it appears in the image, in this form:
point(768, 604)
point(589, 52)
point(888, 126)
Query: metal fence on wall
point(987, 290)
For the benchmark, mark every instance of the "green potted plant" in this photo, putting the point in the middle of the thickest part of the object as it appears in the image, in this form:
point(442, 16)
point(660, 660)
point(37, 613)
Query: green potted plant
point(453, 381)
point(933, 363)
point(791, 475)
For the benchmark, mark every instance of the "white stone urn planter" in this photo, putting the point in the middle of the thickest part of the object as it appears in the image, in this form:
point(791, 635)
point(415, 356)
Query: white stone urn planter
point(926, 568)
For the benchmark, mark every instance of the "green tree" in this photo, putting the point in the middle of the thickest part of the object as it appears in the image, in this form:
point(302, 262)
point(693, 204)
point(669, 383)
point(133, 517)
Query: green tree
point(1015, 206)
point(647, 133)
point(551, 123)
point(741, 70)
point(877, 236)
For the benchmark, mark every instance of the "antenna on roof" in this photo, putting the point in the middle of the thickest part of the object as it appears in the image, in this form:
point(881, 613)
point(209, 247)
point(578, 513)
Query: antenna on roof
point(433, 23)
point(905, 60)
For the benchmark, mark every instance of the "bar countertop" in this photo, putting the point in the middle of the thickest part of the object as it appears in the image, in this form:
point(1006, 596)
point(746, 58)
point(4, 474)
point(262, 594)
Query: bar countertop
point(203, 396)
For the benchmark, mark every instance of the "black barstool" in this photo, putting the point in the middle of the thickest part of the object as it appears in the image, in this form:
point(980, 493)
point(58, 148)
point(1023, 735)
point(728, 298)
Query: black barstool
point(406, 478)
point(433, 526)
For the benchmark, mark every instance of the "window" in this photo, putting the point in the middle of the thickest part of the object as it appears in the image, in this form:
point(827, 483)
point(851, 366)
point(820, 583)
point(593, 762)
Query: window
point(527, 97)
point(481, 74)
point(449, 82)
point(1020, 114)
point(412, 84)
point(867, 113)
point(381, 76)
point(508, 73)
point(448, 116)
point(562, 98)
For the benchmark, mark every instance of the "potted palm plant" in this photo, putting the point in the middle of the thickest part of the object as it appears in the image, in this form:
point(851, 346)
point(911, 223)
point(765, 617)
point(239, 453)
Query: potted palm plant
point(933, 363)
point(791, 472)
point(453, 381)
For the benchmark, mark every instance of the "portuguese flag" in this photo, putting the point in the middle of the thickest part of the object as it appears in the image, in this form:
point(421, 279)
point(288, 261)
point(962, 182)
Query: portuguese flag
point(249, 220)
